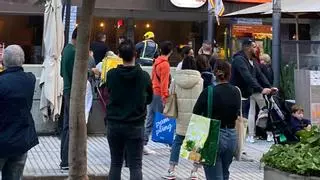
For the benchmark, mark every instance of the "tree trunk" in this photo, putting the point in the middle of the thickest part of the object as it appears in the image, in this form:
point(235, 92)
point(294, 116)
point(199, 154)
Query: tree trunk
point(78, 128)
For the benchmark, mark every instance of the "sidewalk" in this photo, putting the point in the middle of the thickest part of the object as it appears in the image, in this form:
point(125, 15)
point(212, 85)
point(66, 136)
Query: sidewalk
point(43, 161)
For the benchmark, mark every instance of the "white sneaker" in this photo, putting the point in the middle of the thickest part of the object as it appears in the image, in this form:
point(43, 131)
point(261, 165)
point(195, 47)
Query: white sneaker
point(250, 139)
point(147, 151)
point(170, 175)
point(194, 176)
point(270, 138)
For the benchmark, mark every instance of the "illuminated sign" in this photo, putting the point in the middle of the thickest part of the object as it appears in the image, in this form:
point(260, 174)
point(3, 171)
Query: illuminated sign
point(249, 1)
point(188, 3)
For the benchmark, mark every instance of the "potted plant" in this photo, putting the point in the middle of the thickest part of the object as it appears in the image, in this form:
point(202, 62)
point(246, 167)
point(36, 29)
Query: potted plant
point(295, 161)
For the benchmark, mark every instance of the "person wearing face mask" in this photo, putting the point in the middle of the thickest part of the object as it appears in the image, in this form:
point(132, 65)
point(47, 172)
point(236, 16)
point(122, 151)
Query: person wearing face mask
point(247, 75)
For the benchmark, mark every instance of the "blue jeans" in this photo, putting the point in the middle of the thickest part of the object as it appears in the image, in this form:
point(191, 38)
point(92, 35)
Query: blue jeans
point(175, 150)
point(11, 168)
point(155, 106)
point(227, 147)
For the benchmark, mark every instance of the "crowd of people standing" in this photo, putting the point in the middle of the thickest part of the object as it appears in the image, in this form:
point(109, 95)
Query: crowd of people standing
point(134, 97)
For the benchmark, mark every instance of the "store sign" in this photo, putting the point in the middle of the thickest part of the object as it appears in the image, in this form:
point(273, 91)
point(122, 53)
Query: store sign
point(249, 1)
point(188, 3)
point(250, 21)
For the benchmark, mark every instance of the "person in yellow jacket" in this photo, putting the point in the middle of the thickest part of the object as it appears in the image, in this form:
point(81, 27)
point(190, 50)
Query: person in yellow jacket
point(109, 62)
point(147, 50)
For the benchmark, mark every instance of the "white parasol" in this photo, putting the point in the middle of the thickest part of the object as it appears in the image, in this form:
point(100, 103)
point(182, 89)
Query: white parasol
point(51, 82)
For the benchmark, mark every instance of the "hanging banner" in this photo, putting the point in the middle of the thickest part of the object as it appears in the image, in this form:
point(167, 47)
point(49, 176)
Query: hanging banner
point(188, 3)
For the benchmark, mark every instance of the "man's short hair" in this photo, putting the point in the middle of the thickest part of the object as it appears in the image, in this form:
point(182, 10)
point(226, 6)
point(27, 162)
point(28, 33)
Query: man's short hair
point(127, 50)
point(166, 47)
point(247, 43)
point(296, 108)
point(13, 56)
point(100, 36)
point(75, 34)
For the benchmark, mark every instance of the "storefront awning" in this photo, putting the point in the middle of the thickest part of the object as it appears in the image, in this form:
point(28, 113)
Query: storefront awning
point(287, 6)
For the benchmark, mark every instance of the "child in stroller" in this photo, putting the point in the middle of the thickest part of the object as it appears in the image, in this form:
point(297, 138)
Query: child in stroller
point(278, 120)
point(297, 122)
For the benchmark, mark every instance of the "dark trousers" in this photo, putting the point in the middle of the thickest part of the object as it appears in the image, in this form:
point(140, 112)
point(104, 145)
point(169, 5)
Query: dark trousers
point(11, 168)
point(123, 137)
point(64, 151)
point(245, 108)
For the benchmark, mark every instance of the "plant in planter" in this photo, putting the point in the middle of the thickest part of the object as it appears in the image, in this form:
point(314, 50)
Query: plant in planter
point(302, 158)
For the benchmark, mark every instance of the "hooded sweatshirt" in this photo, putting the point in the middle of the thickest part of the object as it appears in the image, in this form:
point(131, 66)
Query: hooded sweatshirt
point(248, 77)
point(130, 90)
point(188, 85)
point(161, 77)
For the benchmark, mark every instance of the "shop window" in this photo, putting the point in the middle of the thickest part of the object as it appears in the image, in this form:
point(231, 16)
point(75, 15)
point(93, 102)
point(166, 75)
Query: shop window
point(304, 32)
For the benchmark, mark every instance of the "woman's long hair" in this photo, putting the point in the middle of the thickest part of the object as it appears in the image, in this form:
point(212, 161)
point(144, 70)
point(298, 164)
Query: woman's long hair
point(222, 70)
point(189, 63)
point(202, 63)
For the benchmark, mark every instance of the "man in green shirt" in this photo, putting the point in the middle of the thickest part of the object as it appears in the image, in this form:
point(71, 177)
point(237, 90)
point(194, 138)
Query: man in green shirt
point(67, 62)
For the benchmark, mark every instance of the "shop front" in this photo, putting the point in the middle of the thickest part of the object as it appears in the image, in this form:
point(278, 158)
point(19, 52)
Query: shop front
point(22, 22)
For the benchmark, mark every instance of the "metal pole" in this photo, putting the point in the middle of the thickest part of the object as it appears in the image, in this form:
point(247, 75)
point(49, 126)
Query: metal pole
point(297, 42)
point(130, 28)
point(210, 23)
point(210, 27)
point(67, 21)
point(276, 51)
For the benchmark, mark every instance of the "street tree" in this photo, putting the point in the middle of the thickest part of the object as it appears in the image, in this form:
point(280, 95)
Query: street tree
point(78, 128)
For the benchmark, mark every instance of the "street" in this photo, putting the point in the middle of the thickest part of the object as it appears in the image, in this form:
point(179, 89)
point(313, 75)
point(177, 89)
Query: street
point(43, 161)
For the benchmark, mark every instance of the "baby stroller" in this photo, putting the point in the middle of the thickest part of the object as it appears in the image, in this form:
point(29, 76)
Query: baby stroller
point(278, 120)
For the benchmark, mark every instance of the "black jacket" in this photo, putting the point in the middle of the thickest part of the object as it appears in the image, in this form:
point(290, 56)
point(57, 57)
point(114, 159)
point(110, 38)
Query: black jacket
point(248, 78)
point(225, 104)
point(208, 78)
point(268, 72)
point(17, 130)
point(99, 49)
point(130, 90)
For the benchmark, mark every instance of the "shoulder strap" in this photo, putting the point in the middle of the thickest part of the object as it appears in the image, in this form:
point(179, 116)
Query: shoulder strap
point(156, 49)
point(240, 100)
point(210, 101)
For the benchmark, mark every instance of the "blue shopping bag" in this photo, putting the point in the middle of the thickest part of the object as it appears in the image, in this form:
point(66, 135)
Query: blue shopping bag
point(163, 129)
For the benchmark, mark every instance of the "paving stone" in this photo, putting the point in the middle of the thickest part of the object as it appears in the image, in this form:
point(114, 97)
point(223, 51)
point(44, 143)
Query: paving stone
point(43, 161)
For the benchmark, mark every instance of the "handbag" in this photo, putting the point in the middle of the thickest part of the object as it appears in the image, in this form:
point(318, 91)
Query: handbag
point(163, 129)
point(241, 128)
point(171, 106)
point(210, 149)
point(202, 138)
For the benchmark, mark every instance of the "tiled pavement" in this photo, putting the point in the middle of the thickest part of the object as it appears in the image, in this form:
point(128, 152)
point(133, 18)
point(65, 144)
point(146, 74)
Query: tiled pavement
point(43, 161)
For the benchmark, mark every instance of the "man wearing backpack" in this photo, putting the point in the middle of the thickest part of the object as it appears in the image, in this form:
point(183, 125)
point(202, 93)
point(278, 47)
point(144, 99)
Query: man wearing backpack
point(160, 84)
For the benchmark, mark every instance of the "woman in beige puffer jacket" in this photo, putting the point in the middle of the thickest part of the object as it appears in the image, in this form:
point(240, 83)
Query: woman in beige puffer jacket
point(187, 85)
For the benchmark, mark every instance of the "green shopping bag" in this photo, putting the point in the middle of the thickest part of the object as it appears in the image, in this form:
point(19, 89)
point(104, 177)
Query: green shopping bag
point(196, 137)
point(211, 146)
point(202, 138)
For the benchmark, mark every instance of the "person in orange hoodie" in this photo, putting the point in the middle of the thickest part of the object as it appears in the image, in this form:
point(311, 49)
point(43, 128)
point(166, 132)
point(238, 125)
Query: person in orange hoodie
point(160, 84)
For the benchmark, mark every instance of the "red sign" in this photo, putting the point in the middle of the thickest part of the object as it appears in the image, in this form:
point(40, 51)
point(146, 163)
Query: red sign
point(249, 1)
